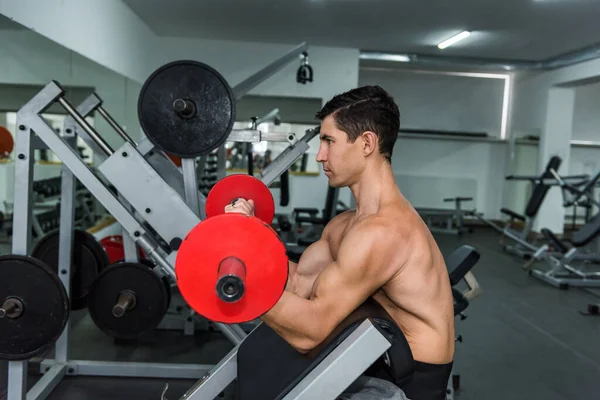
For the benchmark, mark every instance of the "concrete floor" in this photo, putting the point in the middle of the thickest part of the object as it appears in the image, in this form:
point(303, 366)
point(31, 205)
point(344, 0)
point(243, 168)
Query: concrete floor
point(522, 340)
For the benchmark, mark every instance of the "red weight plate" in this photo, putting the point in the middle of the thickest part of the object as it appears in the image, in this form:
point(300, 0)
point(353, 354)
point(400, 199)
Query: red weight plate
point(241, 186)
point(232, 235)
point(113, 239)
point(7, 142)
point(176, 160)
point(113, 245)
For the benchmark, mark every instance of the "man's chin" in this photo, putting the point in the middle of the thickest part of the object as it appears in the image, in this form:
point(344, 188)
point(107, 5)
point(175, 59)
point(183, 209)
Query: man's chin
point(334, 184)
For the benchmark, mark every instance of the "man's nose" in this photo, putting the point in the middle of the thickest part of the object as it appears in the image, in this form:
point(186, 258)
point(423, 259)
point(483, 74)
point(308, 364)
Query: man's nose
point(321, 155)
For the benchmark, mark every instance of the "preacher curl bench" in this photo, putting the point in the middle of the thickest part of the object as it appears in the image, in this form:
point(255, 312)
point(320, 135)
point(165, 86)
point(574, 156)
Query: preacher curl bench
point(268, 368)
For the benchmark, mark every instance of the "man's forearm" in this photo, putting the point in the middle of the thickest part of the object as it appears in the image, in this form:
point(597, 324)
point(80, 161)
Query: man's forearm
point(296, 320)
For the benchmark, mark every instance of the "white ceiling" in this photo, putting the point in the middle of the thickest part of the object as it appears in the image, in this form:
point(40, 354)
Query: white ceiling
point(531, 30)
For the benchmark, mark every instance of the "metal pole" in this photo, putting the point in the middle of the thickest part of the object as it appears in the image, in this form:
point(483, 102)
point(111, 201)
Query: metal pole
point(242, 88)
point(86, 127)
point(115, 126)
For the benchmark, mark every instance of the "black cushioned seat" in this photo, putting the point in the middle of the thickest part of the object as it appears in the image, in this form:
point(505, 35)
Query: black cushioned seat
point(458, 198)
point(512, 214)
point(461, 261)
point(312, 213)
point(310, 220)
point(580, 238)
point(587, 232)
point(554, 240)
point(269, 368)
point(539, 191)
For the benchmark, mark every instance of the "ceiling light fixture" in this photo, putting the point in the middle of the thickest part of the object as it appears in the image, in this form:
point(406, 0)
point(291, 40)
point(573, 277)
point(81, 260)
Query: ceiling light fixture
point(385, 57)
point(454, 39)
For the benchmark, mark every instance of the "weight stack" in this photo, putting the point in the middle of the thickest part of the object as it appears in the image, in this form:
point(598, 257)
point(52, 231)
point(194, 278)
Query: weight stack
point(210, 172)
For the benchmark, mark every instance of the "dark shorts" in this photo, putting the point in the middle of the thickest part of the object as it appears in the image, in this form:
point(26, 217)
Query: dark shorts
point(429, 382)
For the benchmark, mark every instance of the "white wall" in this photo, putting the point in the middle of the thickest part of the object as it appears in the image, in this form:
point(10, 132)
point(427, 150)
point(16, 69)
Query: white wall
point(531, 94)
point(106, 31)
point(428, 171)
point(530, 99)
point(529, 104)
point(530, 115)
point(335, 69)
point(29, 58)
point(586, 119)
point(442, 102)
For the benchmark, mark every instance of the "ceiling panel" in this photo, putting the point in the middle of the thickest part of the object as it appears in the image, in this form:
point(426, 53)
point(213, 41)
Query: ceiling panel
point(502, 29)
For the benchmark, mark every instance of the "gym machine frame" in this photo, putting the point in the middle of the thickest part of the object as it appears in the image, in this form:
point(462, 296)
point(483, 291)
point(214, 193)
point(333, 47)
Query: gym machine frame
point(29, 122)
point(560, 274)
point(522, 250)
point(326, 381)
point(185, 185)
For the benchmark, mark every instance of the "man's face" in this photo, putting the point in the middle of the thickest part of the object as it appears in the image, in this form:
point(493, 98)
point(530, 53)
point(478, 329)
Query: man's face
point(342, 161)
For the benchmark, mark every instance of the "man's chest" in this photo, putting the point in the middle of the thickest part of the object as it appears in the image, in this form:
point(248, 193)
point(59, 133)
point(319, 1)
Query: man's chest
point(336, 240)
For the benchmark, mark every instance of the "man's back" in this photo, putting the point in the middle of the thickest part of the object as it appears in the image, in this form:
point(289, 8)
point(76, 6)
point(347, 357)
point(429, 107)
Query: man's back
point(418, 296)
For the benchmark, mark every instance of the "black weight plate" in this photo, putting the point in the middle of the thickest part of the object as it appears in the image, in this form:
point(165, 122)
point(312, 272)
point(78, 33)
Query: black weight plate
point(151, 265)
point(87, 260)
point(188, 136)
point(45, 307)
point(151, 300)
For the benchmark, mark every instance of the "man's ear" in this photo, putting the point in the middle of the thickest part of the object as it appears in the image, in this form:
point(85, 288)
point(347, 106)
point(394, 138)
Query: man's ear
point(370, 141)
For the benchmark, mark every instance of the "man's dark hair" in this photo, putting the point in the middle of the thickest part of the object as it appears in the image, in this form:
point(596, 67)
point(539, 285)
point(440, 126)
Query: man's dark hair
point(367, 108)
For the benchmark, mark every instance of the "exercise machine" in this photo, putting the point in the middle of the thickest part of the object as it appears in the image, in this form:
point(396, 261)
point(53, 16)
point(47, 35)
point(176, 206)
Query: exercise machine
point(452, 220)
point(309, 224)
point(156, 203)
point(461, 262)
point(561, 255)
point(539, 191)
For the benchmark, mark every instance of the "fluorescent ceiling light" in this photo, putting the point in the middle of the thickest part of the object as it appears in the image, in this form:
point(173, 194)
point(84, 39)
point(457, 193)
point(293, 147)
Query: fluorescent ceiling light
point(385, 57)
point(396, 57)
point(454, 39)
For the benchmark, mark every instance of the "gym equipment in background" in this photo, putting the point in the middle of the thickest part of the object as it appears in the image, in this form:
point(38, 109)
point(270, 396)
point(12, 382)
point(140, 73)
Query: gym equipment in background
point(447, 221)
point(460, 262)
point(7, 143)
point(561, 256)
point(308, 225)
point(540, 189)
point(156, 203)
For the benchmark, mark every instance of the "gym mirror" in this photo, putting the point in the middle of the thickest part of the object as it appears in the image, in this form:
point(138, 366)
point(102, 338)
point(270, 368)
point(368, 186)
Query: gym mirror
point(275, 114)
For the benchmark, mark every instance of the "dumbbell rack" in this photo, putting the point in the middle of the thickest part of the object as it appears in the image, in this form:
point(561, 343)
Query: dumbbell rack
point(172, 209)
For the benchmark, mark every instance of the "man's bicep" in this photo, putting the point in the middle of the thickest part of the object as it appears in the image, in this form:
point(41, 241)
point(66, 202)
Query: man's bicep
point(314, 259)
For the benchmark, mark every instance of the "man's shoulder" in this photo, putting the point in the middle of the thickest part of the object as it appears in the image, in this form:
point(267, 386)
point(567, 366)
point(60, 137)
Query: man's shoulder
point(374, 242)
point(385, 232)
point(375, 228)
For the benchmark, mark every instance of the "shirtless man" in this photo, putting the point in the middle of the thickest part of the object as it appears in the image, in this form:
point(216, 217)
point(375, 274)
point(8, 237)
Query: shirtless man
point(381, 249)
